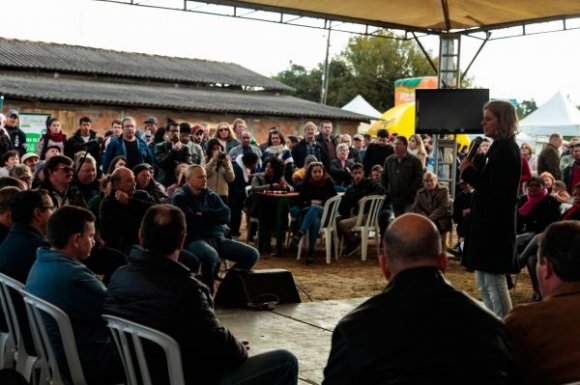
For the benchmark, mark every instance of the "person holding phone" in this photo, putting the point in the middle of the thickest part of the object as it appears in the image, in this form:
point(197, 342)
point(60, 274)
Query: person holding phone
point(168, 155)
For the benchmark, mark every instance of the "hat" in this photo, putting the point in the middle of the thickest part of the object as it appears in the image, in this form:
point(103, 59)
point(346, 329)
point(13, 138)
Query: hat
point(358, 137)
point(151, 119)
point(391, 138)
point(12, 112)
point(196, 128)
point(28, 156)
point(185, 128)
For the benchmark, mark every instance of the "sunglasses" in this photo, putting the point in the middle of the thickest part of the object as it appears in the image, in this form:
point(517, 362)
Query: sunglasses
point(224, 129)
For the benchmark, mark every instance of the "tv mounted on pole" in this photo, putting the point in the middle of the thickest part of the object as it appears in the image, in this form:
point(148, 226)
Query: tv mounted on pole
point(449, 111)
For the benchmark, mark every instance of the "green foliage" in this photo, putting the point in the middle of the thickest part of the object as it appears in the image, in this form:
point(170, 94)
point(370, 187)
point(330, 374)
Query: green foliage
point(368, 66)
point(525, 108)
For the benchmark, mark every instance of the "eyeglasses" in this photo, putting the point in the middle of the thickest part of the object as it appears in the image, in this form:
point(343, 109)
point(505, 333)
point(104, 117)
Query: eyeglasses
point(66, 168)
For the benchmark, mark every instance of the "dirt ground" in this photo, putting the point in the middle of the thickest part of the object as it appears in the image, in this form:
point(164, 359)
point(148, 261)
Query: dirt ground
point(349, 277)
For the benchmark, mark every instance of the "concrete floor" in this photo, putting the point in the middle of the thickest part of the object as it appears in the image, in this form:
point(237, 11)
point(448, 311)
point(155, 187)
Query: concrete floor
point(305, 329)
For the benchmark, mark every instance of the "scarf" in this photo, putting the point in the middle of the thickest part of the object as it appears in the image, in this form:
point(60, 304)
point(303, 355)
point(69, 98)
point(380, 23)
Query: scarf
point(532, 201)
point(275, 150)
point(55, 137)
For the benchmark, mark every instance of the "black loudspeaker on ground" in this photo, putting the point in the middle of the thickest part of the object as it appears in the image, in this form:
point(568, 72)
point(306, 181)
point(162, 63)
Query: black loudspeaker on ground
point(243, 288)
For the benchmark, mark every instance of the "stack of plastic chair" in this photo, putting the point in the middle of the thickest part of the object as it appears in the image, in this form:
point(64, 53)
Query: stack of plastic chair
point(368, 224)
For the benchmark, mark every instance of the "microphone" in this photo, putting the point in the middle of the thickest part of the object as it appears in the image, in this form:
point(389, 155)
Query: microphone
point(474, 146)
point(88, 143)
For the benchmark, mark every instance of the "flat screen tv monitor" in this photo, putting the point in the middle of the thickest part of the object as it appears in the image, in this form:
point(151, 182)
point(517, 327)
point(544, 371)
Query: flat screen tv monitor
point(449, 111)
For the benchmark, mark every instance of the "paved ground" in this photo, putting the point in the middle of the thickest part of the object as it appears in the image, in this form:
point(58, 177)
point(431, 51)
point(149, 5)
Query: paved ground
point(305, 329)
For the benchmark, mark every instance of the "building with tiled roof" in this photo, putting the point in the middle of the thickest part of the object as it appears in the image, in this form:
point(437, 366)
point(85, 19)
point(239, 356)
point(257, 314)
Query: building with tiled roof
point(73, 81)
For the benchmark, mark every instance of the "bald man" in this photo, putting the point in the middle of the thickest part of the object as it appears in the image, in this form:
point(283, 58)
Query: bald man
point(419, 330)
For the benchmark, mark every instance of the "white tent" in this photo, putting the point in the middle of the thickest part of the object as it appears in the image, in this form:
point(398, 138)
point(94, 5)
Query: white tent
point(360, 106)
point(557, 115)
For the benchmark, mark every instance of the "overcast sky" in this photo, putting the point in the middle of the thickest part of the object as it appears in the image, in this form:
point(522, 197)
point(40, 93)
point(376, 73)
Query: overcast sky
point(519, 68)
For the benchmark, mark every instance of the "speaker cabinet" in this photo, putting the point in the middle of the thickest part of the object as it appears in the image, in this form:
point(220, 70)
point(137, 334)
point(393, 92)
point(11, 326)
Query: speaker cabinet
point(241, 287)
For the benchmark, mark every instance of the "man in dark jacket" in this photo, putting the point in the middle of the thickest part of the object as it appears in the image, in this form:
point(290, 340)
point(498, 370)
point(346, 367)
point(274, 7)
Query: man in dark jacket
point(549, 158)
point(376, 153)
point(307, 146)
point(402, 177)
point(84, 139)
point(156, 291)
point(130, 145)
point(59, 277)
point(414, 329)
point(122, 210)
point(30, 212)
point(17, 136)
point(206, 216)
point(168, 155)
point(349, 204)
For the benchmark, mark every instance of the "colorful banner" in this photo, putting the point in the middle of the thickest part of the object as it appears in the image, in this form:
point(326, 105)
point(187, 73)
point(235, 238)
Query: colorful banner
point(405, 88)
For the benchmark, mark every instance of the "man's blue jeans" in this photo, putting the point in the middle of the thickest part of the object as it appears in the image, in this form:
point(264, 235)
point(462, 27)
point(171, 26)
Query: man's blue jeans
point(278, 367)
point(210, 252)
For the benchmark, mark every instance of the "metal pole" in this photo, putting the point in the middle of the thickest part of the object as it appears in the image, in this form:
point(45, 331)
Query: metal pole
point(324, 93)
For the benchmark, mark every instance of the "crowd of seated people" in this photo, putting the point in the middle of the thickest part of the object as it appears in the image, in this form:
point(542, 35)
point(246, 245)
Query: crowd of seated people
point(139, 169)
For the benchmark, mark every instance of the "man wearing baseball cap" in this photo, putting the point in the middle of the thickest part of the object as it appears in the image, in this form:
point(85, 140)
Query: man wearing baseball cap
point(150, 128)
point(17, 136)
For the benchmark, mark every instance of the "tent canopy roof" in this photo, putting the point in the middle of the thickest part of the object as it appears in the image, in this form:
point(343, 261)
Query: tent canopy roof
point(361, 106)
point(556, 115)
point(429, 16)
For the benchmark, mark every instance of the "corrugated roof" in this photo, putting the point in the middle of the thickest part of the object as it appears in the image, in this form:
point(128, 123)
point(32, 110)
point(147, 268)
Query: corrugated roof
point(134, 95)
point(18, 54)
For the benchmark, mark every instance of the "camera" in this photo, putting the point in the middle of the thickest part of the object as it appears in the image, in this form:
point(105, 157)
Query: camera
point(222, 155)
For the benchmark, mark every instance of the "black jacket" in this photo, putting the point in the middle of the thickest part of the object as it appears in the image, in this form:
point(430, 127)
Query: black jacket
point(490, 240)
point(299, 153)
point(120, 223)
point(155, 291)
point(374, 155)
point(166, 159)
point(341, 175)
point(420, 330)
point(354, 193)
point(76, 143)
point(18, 138)
point(311, 192)
point(543, 213)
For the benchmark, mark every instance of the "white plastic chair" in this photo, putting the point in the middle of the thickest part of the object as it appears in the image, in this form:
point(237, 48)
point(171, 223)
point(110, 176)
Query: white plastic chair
point(25, 363)
point(328, 229)
point(368, 224)
point(36, 307)
point(123, 330)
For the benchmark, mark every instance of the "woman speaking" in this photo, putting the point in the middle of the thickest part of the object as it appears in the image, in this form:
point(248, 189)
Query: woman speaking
point(490, 241)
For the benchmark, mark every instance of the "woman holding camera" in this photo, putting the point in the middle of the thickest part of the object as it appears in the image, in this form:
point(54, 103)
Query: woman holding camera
point(219, 169)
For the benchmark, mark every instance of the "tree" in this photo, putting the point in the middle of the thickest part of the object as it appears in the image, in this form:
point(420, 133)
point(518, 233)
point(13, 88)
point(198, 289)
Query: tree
point(525, 108)
point(376, 62)
point(306, 84)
